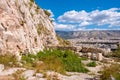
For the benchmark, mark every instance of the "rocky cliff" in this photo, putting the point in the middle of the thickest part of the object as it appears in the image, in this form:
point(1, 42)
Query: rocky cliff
point(24, 27)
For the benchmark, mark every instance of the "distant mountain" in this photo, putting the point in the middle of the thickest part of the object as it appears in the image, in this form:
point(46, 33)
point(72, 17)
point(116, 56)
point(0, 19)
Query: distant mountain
point(95, 34)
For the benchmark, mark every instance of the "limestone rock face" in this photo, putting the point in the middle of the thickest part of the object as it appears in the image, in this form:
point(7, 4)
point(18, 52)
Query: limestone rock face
point(24, 27)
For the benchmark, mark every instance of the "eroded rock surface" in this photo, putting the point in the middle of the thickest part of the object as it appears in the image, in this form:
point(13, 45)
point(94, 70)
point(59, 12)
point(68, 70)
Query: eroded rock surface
point(24, 27)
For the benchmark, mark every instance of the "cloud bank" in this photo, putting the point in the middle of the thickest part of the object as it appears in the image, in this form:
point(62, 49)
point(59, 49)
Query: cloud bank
point(80, 20)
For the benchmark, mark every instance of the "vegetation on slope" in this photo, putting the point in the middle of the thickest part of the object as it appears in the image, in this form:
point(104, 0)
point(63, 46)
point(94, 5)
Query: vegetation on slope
point(92, 64)
point(8, 60)
point(42, 29)
point(55, 60)
point(111, 71)
point(62, 41)
point(32, 0)
point(115, 54)
point(47, 13)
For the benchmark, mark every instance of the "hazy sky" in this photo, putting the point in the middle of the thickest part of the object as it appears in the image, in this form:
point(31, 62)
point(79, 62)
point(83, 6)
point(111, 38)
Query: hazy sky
point(83, 14)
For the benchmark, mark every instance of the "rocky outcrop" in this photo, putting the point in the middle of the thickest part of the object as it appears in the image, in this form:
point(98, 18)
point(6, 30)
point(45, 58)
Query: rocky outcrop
point(24, 27)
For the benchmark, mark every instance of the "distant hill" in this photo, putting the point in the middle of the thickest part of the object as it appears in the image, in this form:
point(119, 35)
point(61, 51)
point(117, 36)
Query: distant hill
point(96, 34)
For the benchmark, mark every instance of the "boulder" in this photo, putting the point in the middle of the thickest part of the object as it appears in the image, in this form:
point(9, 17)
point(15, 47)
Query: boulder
point(99, 56)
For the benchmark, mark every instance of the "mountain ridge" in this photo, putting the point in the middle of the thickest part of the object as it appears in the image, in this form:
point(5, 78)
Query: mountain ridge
point(98, 34)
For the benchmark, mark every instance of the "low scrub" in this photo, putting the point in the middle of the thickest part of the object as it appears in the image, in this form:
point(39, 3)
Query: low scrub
point(18, 75)
point(111, 71)
point(62, 41)
point(8, 60)
point(47, 13)
point(92, 64)
point(117, 52)
point(56, 60)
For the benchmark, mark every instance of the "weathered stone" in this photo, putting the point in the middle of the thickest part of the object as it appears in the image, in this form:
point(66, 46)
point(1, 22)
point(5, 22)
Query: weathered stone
point(99, 56)
point(107, 60)
point(93, 56)
point(39, 75)
point(24, 27)
point(73, 76)
point(89, 55)
point(19, 64)
point(1, 67)
point(10, 71)
point(7, 78)
point(42, 79)
point(32, 78)
point(28, 73)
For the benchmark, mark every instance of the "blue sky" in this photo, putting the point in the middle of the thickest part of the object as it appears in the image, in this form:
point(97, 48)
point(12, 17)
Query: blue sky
point(83, 14)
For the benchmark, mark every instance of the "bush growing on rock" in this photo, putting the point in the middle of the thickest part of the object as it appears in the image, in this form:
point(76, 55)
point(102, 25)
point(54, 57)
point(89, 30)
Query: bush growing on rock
point(111, 71)
point(32, 0)
point(47, 13)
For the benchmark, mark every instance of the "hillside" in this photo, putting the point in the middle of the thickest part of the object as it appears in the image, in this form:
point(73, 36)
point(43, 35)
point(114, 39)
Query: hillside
point(96, 34)
point(24, 27)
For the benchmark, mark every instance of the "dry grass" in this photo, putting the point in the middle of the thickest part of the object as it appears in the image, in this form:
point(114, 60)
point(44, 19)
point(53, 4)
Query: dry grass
point(112, 70)
point(17, 75)
point(8, 60)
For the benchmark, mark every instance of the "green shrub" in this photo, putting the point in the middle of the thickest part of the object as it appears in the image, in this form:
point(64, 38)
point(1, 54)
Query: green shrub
point(92, 64)
point(62, 41)
point(47, 13)
point(8, 60)
point(31, 4)
point(32, 0)
point(117, 52)
point(84, 58)
point(37, 9)
point(28, 60)
point(56, 60)
point(112, 70)
point(53, 63)
point(69, 59)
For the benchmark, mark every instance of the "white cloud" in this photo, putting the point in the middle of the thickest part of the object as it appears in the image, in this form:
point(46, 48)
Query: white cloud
point(81, 20)
point(109, 17)
point(78, 29)
point(84, 23)
point(73, 16)
point(64, 26)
